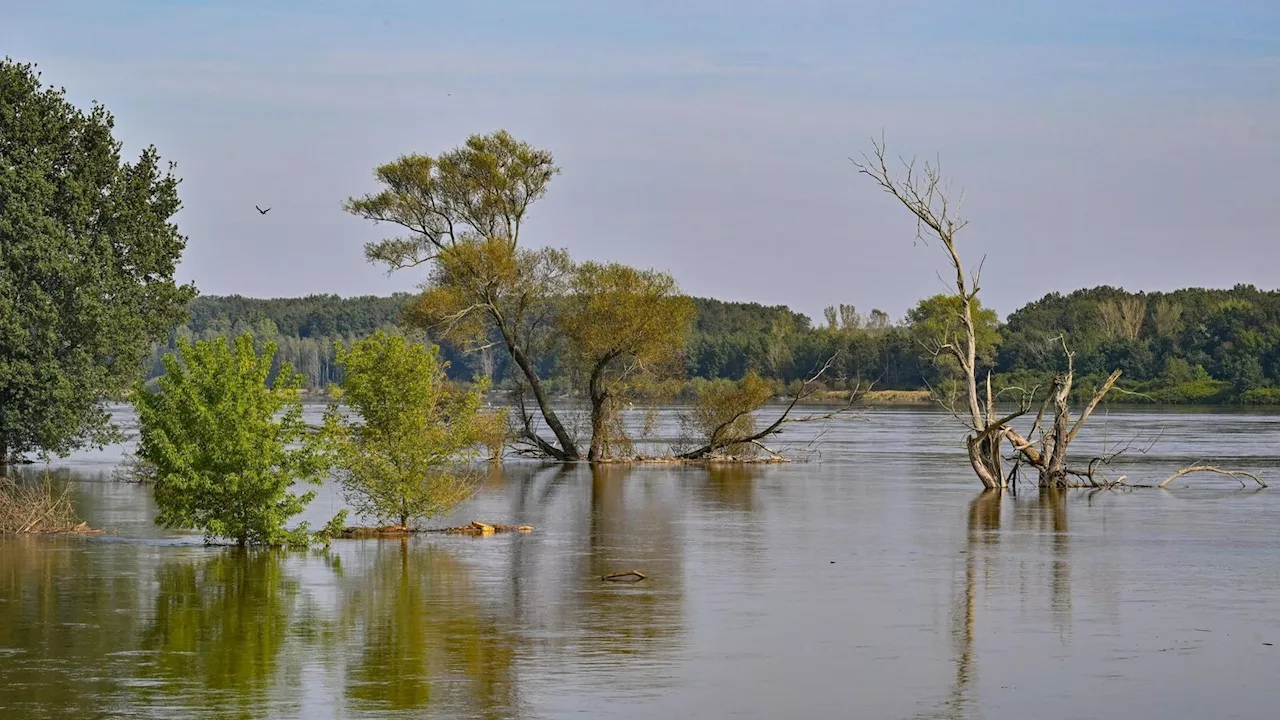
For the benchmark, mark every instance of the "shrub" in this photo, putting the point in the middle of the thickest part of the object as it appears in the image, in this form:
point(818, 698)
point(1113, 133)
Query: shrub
point(402, 456)
point(226, 447)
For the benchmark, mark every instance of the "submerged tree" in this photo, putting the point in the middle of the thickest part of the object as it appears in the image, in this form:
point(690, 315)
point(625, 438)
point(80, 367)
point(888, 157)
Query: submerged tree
point(923, 192)
point(87, 259)
point(722, 415)
point(482, 288)
point(463, 212)
point(402, 456)
point(227, 446)
point(625, 333)
point(722, 422)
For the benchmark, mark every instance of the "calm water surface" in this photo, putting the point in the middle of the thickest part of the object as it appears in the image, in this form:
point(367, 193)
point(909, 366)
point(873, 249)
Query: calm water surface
point(875, 581)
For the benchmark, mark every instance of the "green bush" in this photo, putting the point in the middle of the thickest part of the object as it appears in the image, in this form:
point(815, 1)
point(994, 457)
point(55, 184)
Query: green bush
point(227, 448)
point(1261, 396)
point(402, 453)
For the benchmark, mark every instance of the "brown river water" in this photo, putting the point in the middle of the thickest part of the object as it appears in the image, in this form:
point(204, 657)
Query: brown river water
point(873, 581)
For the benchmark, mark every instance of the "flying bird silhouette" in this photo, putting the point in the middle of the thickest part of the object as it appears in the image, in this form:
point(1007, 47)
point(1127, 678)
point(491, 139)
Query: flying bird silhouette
point(260, 210)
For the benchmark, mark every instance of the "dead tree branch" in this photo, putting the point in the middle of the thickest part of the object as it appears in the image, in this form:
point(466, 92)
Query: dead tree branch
point(1234, 474)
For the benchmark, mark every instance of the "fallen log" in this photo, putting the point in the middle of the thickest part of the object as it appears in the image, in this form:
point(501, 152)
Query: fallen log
point(484, 529)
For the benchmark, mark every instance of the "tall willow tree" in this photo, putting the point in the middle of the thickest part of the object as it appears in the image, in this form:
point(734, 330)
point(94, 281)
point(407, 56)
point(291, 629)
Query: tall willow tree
point(462, 213)
point(87, 259)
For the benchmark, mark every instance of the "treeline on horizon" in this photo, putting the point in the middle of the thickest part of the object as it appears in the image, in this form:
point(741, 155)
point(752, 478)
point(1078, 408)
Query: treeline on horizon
point(1194, 345)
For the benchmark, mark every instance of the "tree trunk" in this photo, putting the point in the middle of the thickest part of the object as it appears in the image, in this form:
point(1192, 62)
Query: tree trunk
point(599, 396)
point(568, 449)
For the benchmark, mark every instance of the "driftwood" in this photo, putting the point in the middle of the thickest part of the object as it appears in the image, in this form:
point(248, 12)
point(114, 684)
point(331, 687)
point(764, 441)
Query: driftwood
point(484, 529)
point(476, 528)
point(1234, 474)
point(628, 576)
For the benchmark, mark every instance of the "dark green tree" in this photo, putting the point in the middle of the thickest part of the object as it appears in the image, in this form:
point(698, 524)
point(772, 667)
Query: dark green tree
point(87, 259)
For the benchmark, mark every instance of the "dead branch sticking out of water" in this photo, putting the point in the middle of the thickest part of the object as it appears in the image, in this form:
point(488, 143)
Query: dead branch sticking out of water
point(1234, 474)
point(38, 508)
point(723, 438)
point(628, 576)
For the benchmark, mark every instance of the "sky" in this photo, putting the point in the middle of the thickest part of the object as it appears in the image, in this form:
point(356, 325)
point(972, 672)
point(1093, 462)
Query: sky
point(1132, 143)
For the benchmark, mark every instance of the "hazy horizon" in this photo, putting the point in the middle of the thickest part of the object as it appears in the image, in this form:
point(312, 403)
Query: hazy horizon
point(1100, 144)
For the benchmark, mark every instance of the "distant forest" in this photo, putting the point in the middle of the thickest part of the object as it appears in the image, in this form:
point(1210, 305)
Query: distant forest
point(1187, 346)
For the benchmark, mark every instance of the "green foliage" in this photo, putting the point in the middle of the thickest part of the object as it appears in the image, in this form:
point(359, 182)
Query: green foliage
point(227, 446)
point(936, 321)
point(1192, 392)
point(624, 334)
point(1188, 346)
point(402, 456)
point(87, 258)
point(482, 189)
point(1261, 396)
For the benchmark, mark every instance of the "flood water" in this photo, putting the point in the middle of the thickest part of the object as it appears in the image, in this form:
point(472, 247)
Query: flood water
point(874, 581)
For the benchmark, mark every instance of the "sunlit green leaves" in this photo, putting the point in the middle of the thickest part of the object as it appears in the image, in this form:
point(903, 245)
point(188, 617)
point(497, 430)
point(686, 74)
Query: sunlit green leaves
point(228, 445)
point(403, 453)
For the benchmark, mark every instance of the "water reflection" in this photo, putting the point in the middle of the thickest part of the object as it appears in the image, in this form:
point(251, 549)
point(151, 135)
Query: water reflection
point(877, 588)
point(63, 619)
point(729, 487)
point(218, 632)
point(418, 634)
point(1038, 519)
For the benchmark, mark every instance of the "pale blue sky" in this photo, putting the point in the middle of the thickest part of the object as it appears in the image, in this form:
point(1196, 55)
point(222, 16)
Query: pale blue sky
point(1127, 143)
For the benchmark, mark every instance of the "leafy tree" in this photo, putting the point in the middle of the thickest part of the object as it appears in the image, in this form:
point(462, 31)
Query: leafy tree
point(464, 211)
point(401, 457)
point(625, 331)
point(87, 258)
point(479, 289)
point(227, 447)
point(935, 325)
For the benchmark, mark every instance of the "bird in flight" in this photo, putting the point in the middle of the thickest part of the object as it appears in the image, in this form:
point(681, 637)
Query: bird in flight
point(261, 211)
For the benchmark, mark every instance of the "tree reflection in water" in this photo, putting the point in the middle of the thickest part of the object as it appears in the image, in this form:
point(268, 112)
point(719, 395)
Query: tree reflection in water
point(1037, 518)
point(221, 634)
point(419, 635)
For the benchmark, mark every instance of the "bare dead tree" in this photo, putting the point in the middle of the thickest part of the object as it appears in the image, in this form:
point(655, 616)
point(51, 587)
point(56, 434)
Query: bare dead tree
point(1045, 446)
point(923, 191)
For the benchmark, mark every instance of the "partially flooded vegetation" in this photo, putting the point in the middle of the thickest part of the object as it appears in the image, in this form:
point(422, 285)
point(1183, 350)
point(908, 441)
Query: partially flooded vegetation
point(683, 562)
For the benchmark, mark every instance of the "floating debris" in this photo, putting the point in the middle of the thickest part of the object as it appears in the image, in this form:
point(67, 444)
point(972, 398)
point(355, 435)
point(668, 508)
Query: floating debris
point(483, 529)
point(628, 576)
